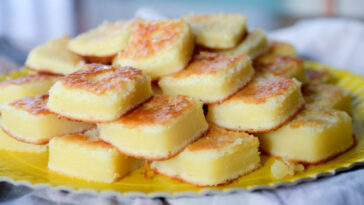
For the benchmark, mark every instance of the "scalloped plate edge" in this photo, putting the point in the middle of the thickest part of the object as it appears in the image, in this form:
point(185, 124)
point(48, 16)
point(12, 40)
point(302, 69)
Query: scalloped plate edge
point(207, 191)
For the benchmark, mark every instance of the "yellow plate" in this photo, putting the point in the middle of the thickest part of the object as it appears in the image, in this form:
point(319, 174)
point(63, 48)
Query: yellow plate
point(30, 169)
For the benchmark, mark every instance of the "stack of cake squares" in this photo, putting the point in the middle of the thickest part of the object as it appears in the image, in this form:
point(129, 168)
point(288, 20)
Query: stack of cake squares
point(195, 98)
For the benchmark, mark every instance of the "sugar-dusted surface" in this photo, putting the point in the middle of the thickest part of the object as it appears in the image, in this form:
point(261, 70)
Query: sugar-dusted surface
point(27, 79)
point(260, 89)
point(277, 65)
point(217, 138)
point(36, 105)
point(209, 63)
point(150, 37)
point(158, 110)
point(99, 78)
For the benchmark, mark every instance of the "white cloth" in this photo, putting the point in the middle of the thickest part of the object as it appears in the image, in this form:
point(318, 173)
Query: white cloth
point(337, 42)
point(332, 41)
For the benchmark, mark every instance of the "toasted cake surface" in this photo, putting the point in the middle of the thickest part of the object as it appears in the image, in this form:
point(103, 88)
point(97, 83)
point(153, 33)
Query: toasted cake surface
point(253, 45)
point(313, 136)
point(27, 79)
point(159, 110)
point(209, 63)
point(105, 40)
point(282, 49)
point(26, 86)
point(87, 158)
point(35, 106)
point(99, 93)
point(98, 79)
point(217, 158)
point(210, 77)
point(319, 76)
point(9, 143)
point(263, 105)
point(54, 57)
point(219, 138)
point(38, 124)
point(158, 129)
point(261, 89)
point(290, 67)
point(217, 31)
point(158, 47)
point(327, 95)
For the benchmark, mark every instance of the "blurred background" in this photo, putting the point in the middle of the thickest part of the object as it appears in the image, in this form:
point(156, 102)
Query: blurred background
point(27, 23)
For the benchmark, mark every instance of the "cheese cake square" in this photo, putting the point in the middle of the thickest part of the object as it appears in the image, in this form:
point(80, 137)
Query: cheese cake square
point(89, 158)
point(263, 105)
point(217, 31)
point(282, 49)
point(9, 143)
point(313, 136)
point(158, 47)
point(101, 44)
point(29, 120)
point(327, 95)
point(290, 67)
point(26, 86)
point(253, 45)
point(54, 58)
point(99, 93)
point(320, 76)
point(158, 129)
point(210, 77)
point(217, 158)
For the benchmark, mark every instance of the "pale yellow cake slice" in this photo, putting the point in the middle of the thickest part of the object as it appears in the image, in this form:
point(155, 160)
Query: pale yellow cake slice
point(29, 120)
point(327, 95)
point(27, 86)
point(54, 57)
point(287, 66)
point(158, 47)
point(210, 77)
point(99, 93)
point(158, 129)
point(9, 143)
point(253, 45)
point(313, 136)
point(217, 158)
point(282, 49)
point(89, 158)
point(217, 31)
point(263, 105)
point(104, 42)
point(320, 76)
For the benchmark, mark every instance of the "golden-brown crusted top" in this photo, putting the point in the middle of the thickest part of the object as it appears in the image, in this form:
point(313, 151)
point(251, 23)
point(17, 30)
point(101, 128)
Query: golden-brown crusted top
point(99, 78)
point(260, 89)
point(282, 49)
point(216, 22)
point(28, 79)
point(150, 37)
point(33, 105)
point(104, 31)
point(277, 65)
point(84, 141)
point(315, 116)
point(317, 92)
point(160, 109)
point(210, 63)
point(217, 138)
point(321, 76)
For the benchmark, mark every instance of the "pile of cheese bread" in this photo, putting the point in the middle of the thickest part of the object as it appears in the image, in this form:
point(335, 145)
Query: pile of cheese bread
point(197, 99)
